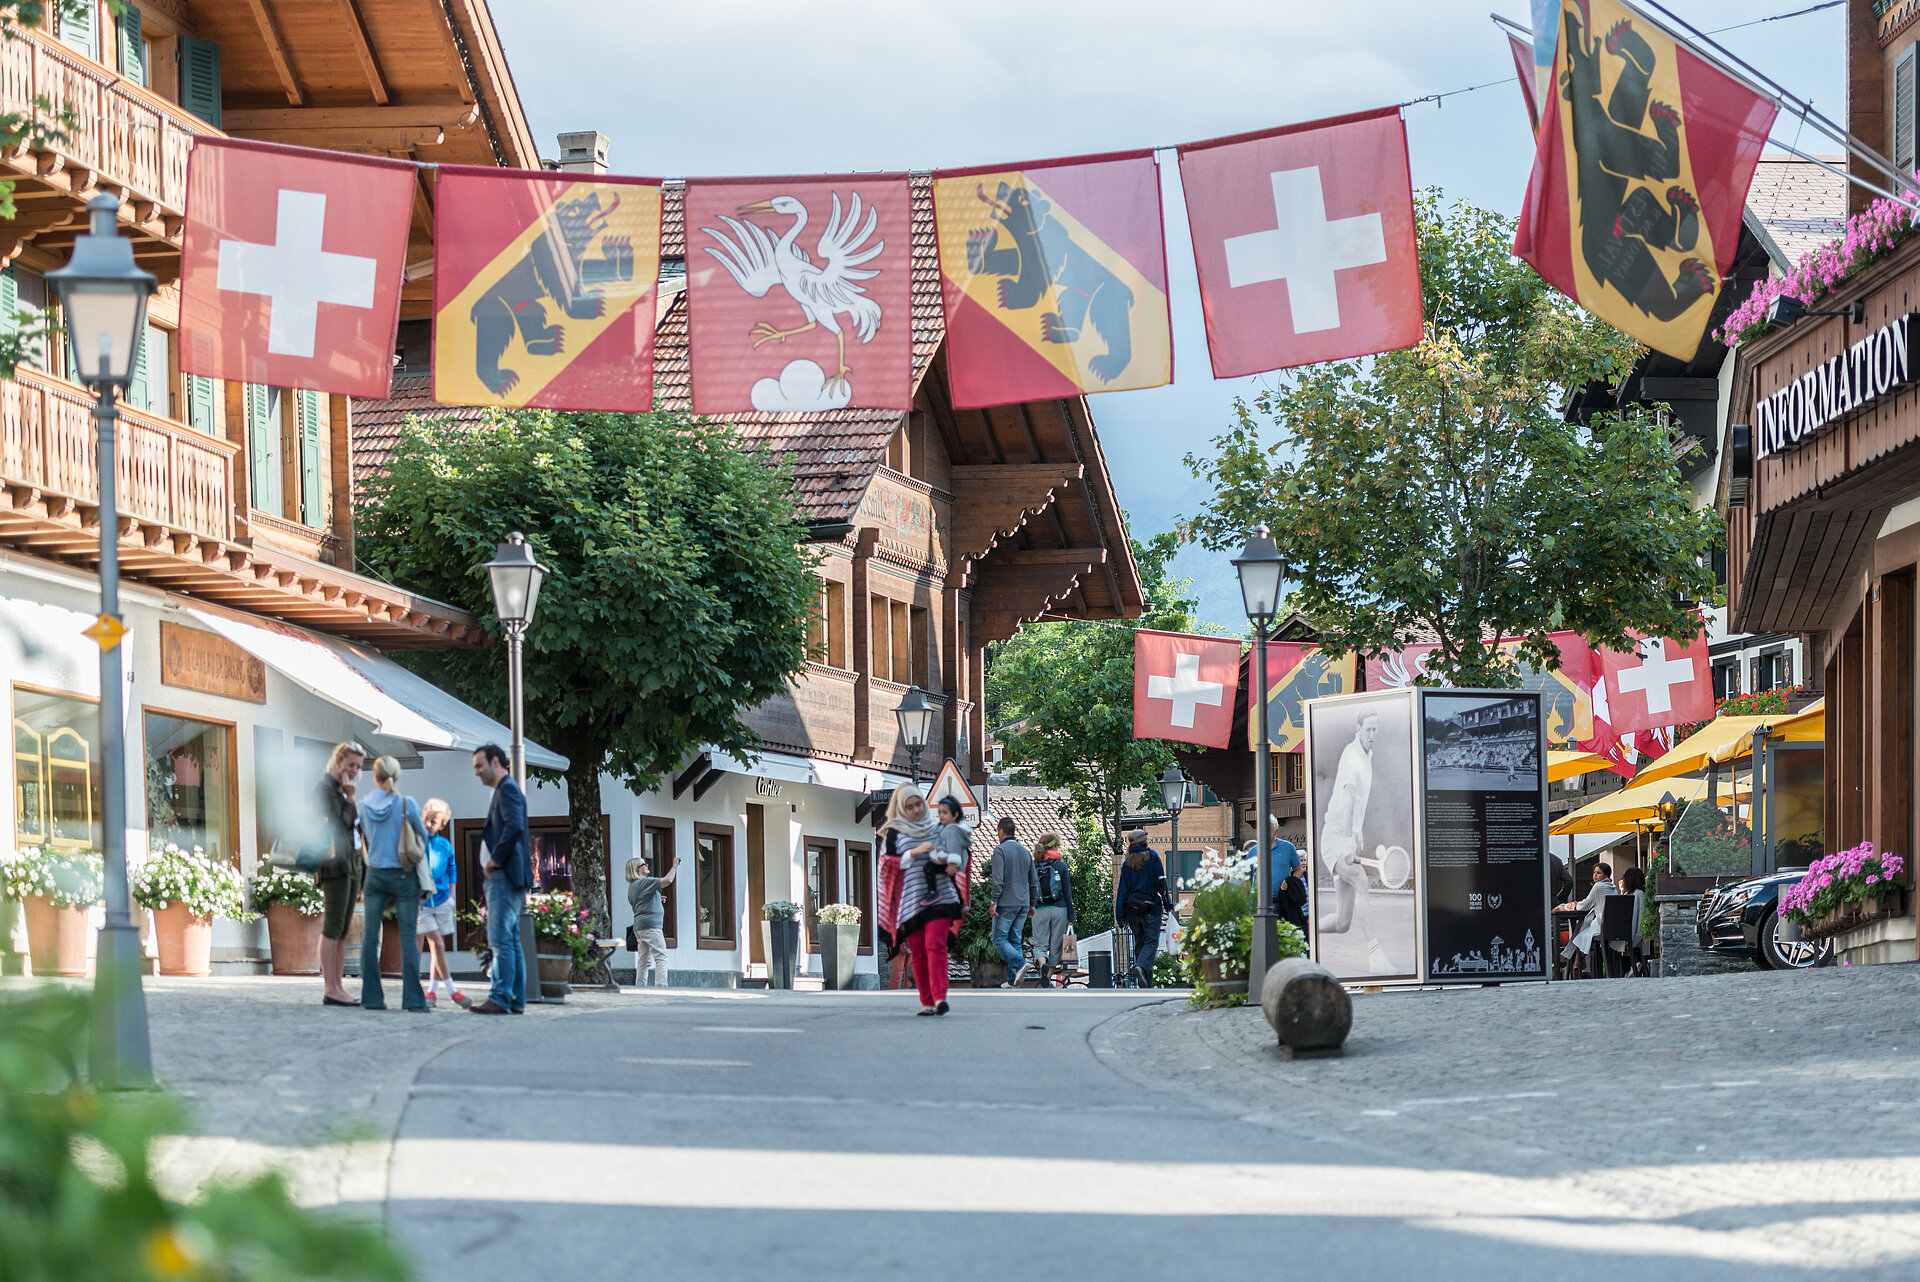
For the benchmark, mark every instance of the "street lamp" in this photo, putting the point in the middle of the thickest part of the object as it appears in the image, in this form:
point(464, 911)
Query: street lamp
point(516, 580)
point(1261, 570)
point(1669, 811)
point(1173, 795)
point(915, 716)
point(103, 300)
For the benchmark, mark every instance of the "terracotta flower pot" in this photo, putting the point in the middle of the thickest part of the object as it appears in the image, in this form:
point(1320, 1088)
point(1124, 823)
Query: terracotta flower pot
point(185, 941)
point(56, 938)
point(390, 949)
point(293, 937)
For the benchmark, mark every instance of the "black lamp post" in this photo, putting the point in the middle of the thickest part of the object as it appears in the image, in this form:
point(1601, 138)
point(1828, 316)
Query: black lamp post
point(1261, 570)
point(1669, 810)
point(103, 302)
point(516, 580)
point(1173, 795)
point(915, 716)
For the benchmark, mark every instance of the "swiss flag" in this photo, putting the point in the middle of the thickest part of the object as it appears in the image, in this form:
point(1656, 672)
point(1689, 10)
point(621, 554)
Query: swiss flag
point(1184, 687)
point(1660, 683)
point(292, 266)
point(1305, 241)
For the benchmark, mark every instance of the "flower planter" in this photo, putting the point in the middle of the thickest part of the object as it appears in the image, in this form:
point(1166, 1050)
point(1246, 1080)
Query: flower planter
point(839, 945)
point(783, 952)
point(1850, 917)
point(56, 938)
point(11, 963)
point(1222, 977)
point(389, 950)
point(293, 940)
point(989, 974)
point(185, 941)
point(555, 971)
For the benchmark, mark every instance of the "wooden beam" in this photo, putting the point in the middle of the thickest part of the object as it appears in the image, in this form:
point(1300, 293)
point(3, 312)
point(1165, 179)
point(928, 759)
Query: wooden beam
point(368, 63)
point(381, 141)
point(1088, 557)
point(276, 49)
point(441, 115)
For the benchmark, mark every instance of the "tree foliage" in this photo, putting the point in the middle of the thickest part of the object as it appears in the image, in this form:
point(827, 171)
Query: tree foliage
point(678, 592)
point(1440, 489)
point(1066, 691)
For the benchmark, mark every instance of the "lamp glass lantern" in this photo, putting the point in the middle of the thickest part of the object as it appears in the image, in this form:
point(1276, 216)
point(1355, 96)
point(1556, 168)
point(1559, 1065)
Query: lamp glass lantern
point(1173, 789)
point(915, 716)
point(1261, 570)
point(103, 300)
point(516, 581)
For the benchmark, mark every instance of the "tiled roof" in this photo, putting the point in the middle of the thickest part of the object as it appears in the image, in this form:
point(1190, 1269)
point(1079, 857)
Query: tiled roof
point(1797, 205)
point(832, 453)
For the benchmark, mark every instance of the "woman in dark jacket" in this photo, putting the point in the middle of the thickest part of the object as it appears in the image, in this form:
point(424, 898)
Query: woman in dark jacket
point(339, 837)
point(1138, 901)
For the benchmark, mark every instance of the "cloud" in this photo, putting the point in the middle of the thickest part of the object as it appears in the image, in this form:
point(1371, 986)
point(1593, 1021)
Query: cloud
point(801, 386)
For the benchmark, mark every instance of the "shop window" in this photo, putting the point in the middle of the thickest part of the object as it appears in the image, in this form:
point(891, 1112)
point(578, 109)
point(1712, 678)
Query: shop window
point(190, 781)
point(823, 884)
point(656, 846)
point(713, 886)
point(859, 883)
point(56, 770)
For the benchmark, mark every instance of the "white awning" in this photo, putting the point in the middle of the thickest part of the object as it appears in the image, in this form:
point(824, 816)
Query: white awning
point(369, 685)
point(789, 768)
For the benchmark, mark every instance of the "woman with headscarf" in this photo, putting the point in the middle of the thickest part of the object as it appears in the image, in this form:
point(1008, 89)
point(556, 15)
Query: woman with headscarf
point(923, 891)
point(1138, 901)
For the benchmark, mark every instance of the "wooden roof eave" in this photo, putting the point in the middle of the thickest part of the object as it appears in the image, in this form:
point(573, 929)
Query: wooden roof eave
point(493, 82)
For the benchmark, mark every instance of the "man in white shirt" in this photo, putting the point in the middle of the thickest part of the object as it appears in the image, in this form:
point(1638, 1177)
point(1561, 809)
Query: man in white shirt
point(1341, 842)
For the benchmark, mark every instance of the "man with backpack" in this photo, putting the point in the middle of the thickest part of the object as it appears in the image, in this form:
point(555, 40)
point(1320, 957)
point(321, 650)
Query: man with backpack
point(1053, 907)
point(1014, 889)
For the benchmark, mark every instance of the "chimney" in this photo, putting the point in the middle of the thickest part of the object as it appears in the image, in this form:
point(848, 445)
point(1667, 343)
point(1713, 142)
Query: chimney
point(583, 152)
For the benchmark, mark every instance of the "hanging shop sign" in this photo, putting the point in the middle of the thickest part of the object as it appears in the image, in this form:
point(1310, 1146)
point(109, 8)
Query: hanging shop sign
point(1876, 366)
point(196, 660)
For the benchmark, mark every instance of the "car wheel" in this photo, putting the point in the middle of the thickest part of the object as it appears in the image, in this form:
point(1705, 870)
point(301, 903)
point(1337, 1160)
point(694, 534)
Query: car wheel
point(1776, 954)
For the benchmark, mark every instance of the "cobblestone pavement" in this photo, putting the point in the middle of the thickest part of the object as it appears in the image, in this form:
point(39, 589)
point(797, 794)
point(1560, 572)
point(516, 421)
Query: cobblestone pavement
point(1773, 1110)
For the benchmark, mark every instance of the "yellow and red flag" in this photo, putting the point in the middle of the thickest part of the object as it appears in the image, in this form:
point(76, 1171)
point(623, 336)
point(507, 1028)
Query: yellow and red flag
point(800, 293)
point(1640, 174)
point(1295, 674)
point(543, 289)
point(1054, 277)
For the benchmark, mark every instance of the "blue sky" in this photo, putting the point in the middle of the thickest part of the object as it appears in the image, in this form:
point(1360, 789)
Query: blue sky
point(771, 86)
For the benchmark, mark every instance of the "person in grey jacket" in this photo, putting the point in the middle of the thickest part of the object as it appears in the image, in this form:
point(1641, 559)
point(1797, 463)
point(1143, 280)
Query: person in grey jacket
point(1016, 888)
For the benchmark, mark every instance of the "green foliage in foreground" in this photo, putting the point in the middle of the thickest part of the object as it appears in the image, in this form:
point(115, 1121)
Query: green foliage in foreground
point(77, 1198)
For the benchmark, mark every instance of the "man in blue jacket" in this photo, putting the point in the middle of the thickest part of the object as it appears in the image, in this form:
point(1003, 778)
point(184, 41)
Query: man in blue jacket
point(506, 866)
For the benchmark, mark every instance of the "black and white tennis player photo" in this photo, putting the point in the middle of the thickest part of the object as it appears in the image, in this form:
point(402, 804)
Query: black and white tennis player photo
point(1365, 918)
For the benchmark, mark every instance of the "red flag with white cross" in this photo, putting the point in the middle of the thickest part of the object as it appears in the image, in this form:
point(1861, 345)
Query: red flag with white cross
point(292, 266)
point(1305, 242)
point(1659, 683)
point(1184, 687)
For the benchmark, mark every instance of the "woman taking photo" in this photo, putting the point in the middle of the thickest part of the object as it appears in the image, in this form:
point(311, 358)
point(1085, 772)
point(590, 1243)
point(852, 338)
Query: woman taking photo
point(390, 879)
point(923, 891)
point(342, 845)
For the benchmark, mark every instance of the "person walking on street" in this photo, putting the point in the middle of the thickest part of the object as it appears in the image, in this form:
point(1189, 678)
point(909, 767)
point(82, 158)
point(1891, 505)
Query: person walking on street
point(391, 879)
point(506, 862)
point(1015, 890)
point(1139, 900)
point(649, 919)
point(1053, 905)
point(436, 912)
point(916, 911)
point(342, 869)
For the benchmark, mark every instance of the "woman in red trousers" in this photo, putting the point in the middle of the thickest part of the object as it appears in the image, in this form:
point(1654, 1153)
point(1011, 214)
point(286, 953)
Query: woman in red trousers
point(923, 889)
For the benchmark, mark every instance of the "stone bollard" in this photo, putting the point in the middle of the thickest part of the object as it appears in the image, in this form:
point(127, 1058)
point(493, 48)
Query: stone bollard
point(1309, 1010)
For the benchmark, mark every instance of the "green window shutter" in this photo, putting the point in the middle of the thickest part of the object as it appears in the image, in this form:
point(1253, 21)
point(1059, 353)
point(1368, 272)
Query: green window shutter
point(200, 78)
point(202, 410)
point(263, 448)
point(139, 388)
point(133, 50)
point(80, 29)
point(9, 303)
point(311, 508)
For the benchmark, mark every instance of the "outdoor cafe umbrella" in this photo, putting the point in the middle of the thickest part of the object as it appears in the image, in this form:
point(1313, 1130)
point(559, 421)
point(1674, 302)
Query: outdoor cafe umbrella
point(1565, 765)
point(1638, 807)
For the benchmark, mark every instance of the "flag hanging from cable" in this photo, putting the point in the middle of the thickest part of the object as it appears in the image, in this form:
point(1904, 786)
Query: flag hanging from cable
point(1529, 84)
point(1640, 174)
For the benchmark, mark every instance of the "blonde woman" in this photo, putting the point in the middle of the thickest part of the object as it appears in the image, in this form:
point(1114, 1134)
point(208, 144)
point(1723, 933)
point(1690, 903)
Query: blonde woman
point(390, 880)
point(649, 919)
point(436, 913)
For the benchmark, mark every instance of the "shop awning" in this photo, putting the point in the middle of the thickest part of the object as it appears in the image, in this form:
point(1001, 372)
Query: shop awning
point(1730, 738)
point(1565, 765)
point(789, 768)
point(1639, 806)
point(373, 687)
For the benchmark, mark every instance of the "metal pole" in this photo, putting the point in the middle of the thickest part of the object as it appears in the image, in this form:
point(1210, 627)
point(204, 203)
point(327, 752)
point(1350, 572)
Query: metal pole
point(1266, 933)
point(913, 763)
point(516, 712)
point(119, 1057)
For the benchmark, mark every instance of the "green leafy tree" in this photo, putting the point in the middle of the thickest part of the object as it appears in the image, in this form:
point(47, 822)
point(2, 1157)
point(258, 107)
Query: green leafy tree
point(1066, 691)
point(1440, 488)
point(679, 592)
point(1090, 868)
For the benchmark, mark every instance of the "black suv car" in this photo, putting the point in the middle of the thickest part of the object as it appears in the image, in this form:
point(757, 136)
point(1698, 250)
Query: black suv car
point(1743, 918)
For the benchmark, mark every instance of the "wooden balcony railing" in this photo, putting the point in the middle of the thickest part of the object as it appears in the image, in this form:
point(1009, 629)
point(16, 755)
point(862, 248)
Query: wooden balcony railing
point(129, 136)
point(164, 471)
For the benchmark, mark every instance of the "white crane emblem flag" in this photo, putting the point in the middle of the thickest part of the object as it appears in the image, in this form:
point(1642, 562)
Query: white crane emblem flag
point(799, 294)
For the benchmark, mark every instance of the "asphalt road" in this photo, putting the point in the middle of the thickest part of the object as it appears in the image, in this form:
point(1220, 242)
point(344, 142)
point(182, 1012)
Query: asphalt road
point(1033, 1135)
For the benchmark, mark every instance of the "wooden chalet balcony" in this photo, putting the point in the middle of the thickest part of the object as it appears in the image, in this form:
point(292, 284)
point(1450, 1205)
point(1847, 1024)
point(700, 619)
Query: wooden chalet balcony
point(165, 472)
point(130, 142)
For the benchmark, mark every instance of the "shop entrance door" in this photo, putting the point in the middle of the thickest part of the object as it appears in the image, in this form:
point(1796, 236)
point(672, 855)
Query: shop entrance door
point(756, 882)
